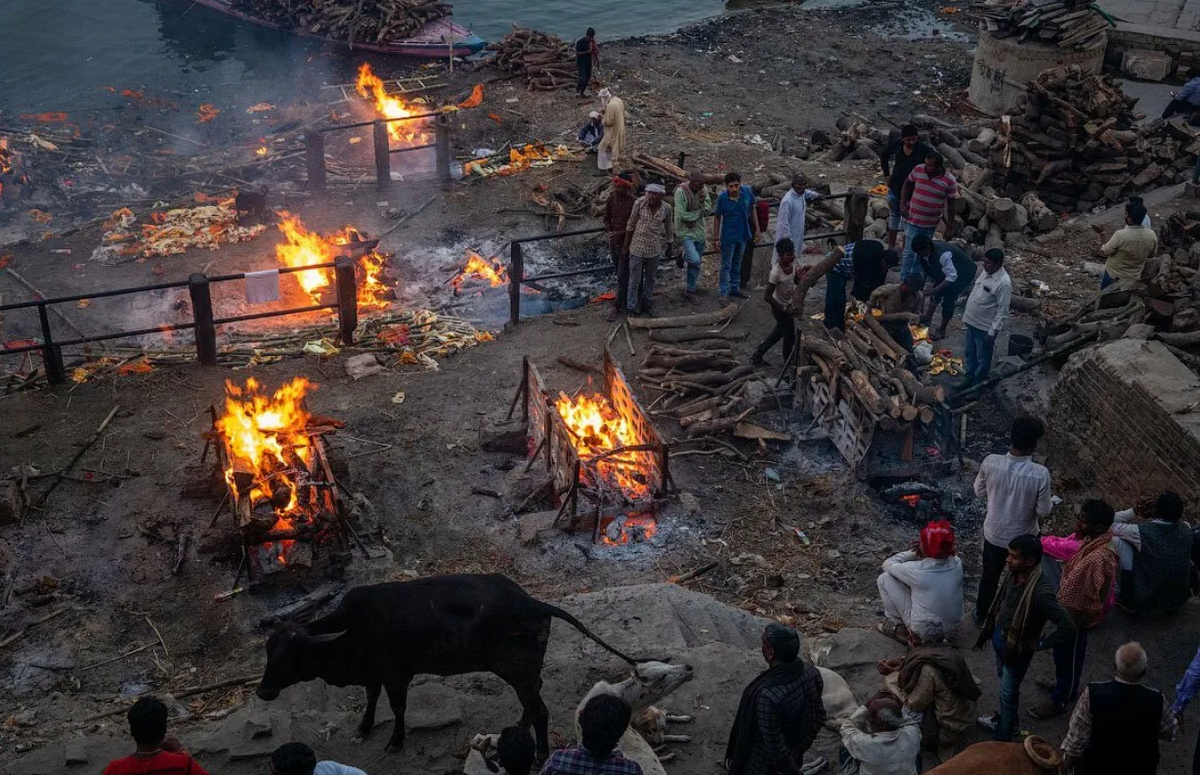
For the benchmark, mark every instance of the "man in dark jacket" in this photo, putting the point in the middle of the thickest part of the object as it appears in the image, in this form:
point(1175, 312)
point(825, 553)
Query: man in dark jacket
point(1117, 724)
point(780, 712)
point(617, 209)
point(1021, 608)
point(898, 159)
point(867, 261)
point(949, 271)
point(1156, 558)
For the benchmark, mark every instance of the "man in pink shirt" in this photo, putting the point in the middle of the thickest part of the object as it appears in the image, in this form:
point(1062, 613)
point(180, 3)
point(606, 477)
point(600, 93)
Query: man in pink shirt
point(928, 196)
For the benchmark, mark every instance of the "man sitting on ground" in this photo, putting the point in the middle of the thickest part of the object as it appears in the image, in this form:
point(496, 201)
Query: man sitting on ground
point(1155, 558)
point(591, 133)
point(511, 752)
point(923, 584)
point(934, 676)
point(880, 739)
point(601, 723)
point(1128, 249)
point(157, 752)
point(299, 759)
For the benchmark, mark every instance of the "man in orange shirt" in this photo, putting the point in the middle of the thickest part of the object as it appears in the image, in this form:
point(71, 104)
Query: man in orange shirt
point(157, 752)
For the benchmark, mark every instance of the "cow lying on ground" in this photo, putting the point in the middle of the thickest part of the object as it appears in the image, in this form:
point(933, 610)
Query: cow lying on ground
point(382, 635)
point(996, 758)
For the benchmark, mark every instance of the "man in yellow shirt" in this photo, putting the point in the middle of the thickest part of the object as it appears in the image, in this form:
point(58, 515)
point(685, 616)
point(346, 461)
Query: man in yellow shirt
point(1128, 249)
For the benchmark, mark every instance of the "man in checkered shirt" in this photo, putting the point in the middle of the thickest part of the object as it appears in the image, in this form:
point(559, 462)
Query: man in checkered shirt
point(601, 723)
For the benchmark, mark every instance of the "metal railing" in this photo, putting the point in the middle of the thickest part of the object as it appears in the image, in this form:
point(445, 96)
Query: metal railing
point(204, 323)
point(314, 148)
point(852, 229)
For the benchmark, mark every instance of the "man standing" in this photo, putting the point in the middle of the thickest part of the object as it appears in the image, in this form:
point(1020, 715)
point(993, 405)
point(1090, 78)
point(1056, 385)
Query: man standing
point(617, 209)
point(949, 270)
point(903, 154)
point(985, 315)
point(1185, 692)
point(649, 234)
point(780, 712)
point(793, 209)
point(158, 752)
point(1155, 558)
point(602, 721)
point(867, 262)
point(781, 295)
point(591, 133)
point(692, 203)
point(1018, 492)
point(612, 146)
point(880, 739)
point(1128, 250)
point(1024, 604)
point(923, 584)
point(1117, 724)
point(733, 228)
point(927, 197)
point(1087, 579)
point(587, 56)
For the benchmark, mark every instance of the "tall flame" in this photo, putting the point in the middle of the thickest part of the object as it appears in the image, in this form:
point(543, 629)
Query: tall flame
point(596, 427)
point(481, 268)
point(387, 105)
point(308, 248)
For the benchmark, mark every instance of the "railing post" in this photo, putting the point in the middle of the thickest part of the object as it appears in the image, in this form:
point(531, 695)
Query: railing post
point(383, 154)
point(441, 133)
point(314, 154)
point(202, 316)
point(347, 298)
point(56, 373)
point(856, 214)
point(516, 273)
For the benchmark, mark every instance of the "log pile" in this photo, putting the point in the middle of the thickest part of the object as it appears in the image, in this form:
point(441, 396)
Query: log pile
point(1074, 140)
point(707, 384)
point(865, 366)
point(544, 60)
point(352, 21)
point(1063, 22)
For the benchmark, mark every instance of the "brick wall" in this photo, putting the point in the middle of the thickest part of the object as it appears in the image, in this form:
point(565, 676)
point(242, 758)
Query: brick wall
point(1116, 423)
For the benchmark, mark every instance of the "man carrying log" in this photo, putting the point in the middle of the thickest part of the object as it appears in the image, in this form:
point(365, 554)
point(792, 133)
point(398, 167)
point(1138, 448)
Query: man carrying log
point(692, 203)
point(902, 155)
point(649, 234)
point(587, 56)
point(1128, 250)
point(949, 270)
point(780, 294)
point(617, 209)
point(928, 197)
point(986, 313)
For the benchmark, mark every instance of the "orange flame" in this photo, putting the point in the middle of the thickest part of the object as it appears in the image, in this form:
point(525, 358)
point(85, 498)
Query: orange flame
point(912, 501)
point(371, 86)
point(308, 248)
point(481, 268)
point(627, 528)
point(596, 427)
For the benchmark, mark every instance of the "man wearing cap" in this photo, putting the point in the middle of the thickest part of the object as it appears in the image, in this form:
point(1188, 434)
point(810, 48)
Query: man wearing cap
point(923, 584)
point(592, 132)
point(900, 156)
point(650, 234)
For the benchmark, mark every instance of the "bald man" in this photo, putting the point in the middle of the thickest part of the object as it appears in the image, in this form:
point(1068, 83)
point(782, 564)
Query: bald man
point(1117, 724)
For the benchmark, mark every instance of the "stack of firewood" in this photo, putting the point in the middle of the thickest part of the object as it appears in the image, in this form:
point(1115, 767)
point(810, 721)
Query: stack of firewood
point(545, 60)
point(361, 21)
point(867, 366)
point(1074, 139)
point(1065, 22)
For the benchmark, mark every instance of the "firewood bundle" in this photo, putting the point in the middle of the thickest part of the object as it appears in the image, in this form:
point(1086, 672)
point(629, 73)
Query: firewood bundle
point(866, 366)
point(353, 21)
point(545, 60)
point(1065, 22)
point(706, 381)
point(1074, 140)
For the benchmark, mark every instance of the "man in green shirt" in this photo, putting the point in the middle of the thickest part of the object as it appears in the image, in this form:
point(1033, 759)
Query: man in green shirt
point(692, 203)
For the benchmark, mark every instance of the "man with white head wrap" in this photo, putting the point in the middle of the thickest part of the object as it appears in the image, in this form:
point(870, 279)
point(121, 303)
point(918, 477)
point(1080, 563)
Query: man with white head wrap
point(612, 146)
point(649, 234)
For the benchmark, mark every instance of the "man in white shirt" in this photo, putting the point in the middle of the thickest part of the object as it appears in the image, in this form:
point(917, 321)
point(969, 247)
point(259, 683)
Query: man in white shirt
point(299, 759)
point(1018, 492)
point(793, 209)
point(880, 738)
point(923, 585)
point(987, 310)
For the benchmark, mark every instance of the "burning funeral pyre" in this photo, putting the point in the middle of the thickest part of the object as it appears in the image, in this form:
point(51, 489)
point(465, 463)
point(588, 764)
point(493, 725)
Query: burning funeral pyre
point(392, 106)
point(10, 171)
point(608, 462)
point(281, 485)
point(374, 280)
point(479, 273)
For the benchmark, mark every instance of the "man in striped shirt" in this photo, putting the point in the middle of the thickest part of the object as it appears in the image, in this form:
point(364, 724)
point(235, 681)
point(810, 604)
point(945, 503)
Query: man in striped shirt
point(929, 192)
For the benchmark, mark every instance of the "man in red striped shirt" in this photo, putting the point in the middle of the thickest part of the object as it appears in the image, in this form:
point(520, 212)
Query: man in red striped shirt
point(928, 195)
point(157, 752)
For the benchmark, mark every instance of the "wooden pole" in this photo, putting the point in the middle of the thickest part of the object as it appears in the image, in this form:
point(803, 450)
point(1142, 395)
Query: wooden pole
point(441, 130)
point(202, 316)
point(347, 298)
point(383, 155)
point(856, 214)
point(314, 154)
point(516, 273)
point(56, 373)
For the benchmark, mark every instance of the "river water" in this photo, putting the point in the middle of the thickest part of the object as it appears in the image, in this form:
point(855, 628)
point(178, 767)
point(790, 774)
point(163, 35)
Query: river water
point(63, 55)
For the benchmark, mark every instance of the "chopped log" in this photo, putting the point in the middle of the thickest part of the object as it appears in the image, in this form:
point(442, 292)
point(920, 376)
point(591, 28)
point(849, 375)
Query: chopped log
point(682, 321)
point(908, 413)
point(709, 361)
point(983, 142)
point(697, 406)
point(921, 393)
point(829, 353)
point(867, 393)
point(712, 378)
point(952, 155)
point(884, 340)
point(745, 430)
point(1025, 304)
point(721, 346)
point(1007, 214)
point(571, 363)
point(926, 414)
point(721, 425)
point(1040, 216)
point(692, 336)
point(1189, 339)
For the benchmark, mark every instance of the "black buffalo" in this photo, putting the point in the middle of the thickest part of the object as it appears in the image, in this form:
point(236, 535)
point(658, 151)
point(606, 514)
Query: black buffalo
point(380, 636)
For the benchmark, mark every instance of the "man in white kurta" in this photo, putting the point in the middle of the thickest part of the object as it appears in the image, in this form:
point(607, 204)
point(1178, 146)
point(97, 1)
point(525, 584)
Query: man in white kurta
point(924, 584)
point(793, 209)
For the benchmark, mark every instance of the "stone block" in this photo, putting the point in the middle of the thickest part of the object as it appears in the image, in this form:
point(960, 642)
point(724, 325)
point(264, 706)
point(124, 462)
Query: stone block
point(1191, 190)
point(1146, 65)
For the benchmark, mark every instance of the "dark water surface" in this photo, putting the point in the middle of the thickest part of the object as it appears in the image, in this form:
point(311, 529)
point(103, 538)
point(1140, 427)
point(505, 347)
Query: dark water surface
point(60, 55)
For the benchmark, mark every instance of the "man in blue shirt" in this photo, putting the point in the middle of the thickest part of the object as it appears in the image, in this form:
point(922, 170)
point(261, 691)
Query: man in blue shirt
point(1186, 101)
point(733, 227)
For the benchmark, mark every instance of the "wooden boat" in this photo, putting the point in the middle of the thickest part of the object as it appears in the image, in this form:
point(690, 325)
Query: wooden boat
point(436, 40)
